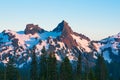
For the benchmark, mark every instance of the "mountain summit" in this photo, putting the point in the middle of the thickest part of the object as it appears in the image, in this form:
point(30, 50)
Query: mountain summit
point(32, 29)
point(63, 27)
point(62, 40)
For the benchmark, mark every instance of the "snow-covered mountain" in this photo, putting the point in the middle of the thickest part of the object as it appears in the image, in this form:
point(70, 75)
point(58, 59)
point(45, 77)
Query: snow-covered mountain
point(109, 47)
point(62, 40)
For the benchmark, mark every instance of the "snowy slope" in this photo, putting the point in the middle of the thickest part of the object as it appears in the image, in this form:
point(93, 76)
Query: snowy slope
point(110, 47)
point(62, 41)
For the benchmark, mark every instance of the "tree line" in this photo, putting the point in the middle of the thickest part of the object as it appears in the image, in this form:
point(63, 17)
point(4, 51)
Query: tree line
point(48, 68)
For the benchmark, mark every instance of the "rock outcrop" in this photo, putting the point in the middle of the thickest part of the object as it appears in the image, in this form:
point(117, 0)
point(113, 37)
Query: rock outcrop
point(32, 29)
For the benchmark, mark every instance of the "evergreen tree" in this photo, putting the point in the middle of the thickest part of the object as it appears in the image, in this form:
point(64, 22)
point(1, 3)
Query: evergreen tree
point(114, 70)
point(66, 70)
point(91, 75)
point(43, 65)
point(52, 68)
point(1, 72)
point(85, 76)
point(10, 71)
point(101, 69)
point(18, 75)
point(44, 52)
point(33, 70)
point(86, 68)
point(79, 68)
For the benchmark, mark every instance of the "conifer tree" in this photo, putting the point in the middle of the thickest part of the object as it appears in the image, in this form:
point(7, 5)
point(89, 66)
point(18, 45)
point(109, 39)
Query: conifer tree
point(33, 70)
point(79, 68)
point(43, 65)
point(86, 68)
point(44, 52)
point(101, 69)
point(52, 68)
point(91, 75)
point(10, 71)
point(66, 70)
point(1, 72)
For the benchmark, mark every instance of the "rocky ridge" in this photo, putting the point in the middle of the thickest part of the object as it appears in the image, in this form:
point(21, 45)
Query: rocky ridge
point(62, 40)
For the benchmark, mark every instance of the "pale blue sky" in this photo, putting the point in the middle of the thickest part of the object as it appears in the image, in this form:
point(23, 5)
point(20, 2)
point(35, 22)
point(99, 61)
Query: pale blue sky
point(96, 19)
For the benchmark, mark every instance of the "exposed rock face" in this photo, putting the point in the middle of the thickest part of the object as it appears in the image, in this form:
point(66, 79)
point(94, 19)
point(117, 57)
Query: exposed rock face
point(64, 28)
point(66, 32)
point(82, 36)
point(32, 29)
point(15, 42)
point(65, 37)
point(68, 40)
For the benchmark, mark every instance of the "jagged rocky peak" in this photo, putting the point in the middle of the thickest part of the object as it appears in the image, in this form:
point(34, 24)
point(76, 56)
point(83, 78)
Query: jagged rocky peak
point(66, 30)
point(63, 27)
point(69, 37)
point(32, 29)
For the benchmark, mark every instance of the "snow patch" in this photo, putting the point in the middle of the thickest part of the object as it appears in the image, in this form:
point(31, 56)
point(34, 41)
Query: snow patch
point(58, 57)
point(21, 65)
point(43, 44)
point(82, 42)
point(106, 56)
